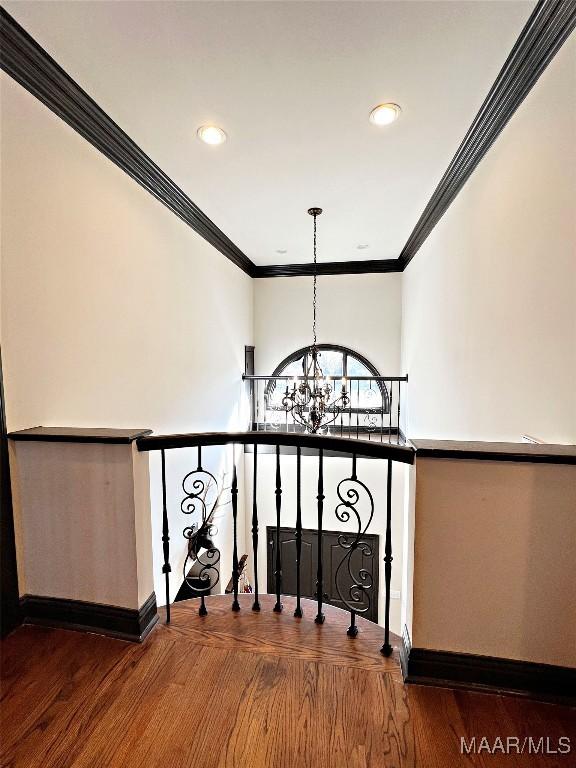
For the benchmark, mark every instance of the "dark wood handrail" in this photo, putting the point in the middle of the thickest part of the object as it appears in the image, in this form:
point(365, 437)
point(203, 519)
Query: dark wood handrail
point(402, 453)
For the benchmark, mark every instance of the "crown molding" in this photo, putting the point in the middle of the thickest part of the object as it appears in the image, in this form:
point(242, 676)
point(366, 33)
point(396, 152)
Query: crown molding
point(31, 66)
point(548, 27)
point(363, 267)
point(27, 62)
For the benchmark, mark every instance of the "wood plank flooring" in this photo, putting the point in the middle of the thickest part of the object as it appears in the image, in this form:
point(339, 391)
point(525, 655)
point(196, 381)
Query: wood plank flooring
point(246, 690)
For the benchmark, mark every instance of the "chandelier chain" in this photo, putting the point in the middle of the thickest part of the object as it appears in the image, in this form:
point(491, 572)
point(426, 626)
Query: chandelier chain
point(312, 402)
point(315, 280)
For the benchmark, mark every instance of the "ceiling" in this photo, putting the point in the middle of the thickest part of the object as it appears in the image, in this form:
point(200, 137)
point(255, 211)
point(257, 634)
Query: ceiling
point(292, 83)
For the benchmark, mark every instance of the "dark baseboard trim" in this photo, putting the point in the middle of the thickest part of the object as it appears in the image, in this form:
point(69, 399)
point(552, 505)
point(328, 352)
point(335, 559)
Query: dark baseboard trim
point(31, 66)
point(404, 652)
point(123, 623)
point(364, 267)
point(487, 674)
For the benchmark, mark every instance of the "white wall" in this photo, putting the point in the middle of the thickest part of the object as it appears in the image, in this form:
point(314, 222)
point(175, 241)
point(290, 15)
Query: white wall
point(114, 312)
point(489, 302)
point(362, 312)
point(494, 559)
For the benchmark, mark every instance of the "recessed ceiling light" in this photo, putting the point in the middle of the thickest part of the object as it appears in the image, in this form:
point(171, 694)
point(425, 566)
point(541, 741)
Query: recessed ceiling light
point(384, 114)
point(362, 246)
point(211, 134)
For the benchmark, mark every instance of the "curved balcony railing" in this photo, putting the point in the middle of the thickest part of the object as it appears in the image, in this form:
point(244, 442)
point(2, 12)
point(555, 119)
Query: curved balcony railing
point(372, 412)
point(353, 583)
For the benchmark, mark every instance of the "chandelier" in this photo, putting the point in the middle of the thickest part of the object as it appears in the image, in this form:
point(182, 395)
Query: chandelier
point(311, 401)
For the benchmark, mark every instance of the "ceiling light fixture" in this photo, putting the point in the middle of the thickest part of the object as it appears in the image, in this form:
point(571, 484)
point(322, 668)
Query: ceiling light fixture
point(384, 114)
point(309, 400)
point(211, 134)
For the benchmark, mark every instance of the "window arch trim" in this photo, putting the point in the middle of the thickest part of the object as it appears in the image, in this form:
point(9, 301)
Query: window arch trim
point(345, 351)
point(326, 348)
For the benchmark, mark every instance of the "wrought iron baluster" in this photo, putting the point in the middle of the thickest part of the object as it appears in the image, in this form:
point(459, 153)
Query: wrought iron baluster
point(298, 611)
point(196, 486)
point(342, 413)
point(166, 568)
point(357, 410)
point(320, 576)
point(387, 648)
point(390, 413)
point(354, 584)
point(382, 397)
point(399, 385)
point(350, 412)
point(256, 604)
point(278, 570)
point(353, 629)
point(203, 610)
point(235, 573)
point(252, 389)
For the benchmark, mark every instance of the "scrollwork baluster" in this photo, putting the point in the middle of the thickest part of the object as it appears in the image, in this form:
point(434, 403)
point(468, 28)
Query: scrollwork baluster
point(357, 598)
point(197, 500)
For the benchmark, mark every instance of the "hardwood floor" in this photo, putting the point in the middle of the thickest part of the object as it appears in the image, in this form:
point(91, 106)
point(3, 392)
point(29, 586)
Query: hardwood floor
point(251, 690)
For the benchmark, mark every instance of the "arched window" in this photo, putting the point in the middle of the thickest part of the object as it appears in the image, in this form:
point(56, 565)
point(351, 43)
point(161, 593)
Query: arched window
point(367, 395)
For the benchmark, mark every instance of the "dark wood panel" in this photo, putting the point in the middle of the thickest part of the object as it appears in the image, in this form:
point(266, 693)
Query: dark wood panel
point(288, 553)
point(288, 694)
point(332, 555)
